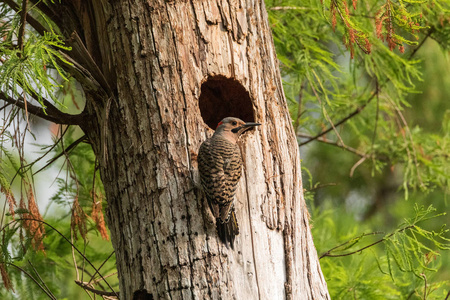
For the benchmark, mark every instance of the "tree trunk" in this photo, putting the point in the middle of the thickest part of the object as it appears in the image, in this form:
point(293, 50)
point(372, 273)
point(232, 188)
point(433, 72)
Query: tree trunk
point(175, 68)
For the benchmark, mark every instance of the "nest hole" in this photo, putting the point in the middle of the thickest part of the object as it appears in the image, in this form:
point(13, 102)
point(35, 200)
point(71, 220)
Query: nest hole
point(223, 97)
point(142, 295)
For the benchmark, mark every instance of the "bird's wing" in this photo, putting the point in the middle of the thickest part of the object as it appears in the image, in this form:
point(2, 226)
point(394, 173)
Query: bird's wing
point(210, 167)
point(219, 164)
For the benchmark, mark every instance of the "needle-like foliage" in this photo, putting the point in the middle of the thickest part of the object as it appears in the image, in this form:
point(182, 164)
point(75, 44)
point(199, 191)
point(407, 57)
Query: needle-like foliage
point(370, 123)
point(354, 77)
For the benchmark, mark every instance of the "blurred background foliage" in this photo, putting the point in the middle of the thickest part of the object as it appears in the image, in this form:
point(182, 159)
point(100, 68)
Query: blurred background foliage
point(367, 85)
point(373, 130)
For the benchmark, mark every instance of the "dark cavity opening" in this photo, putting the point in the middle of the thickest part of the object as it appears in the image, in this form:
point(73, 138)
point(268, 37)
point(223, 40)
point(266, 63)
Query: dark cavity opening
point(223, 97)
point(142, 295)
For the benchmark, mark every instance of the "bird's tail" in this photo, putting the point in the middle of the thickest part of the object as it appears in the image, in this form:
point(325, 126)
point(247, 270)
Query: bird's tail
point(228, 230)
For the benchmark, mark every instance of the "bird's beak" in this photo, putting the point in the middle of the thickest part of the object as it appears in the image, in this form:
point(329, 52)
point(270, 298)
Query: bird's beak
point(245, 127)
point(250, 124)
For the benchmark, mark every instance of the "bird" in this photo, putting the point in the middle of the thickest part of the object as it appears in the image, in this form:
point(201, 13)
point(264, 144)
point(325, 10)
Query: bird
point(220, 167)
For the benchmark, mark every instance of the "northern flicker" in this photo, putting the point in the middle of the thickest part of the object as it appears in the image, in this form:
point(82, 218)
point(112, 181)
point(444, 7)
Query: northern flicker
point(220, 166)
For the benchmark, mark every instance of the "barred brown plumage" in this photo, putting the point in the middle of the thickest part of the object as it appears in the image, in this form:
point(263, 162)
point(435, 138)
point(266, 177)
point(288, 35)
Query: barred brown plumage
point(220, 167)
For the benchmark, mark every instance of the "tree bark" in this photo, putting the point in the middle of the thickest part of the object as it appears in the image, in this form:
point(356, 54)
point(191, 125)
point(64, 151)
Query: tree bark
point(158, 58)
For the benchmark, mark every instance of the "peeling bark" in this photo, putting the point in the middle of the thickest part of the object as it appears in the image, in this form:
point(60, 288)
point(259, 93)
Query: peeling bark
point(155, 56)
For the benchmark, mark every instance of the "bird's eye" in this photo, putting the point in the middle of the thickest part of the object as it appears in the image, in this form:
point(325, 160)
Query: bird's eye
point(234, 123)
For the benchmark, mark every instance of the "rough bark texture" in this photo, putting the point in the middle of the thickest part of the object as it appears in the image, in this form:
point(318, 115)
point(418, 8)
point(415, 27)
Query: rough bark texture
point(146, 131)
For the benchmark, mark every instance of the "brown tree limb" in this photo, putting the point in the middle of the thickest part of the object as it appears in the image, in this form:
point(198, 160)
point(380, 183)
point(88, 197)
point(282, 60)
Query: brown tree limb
point(99, 280)
point(40, 278)
point(23, 15)
point(92, 79)
point(328, 253)
point(24, 167)
point(67, 240)
point(84, 77)
point(326, 114)
point(376, 115)
point(348, 117)
point(405, 127)
point(327, 141)
point(411, 294)
point(352, 170)
point(29, 19)
point(59, 13)
point(299, 110)
point(71, 146)
point(51, 109)
point(360, 108)
point(86, 286)
point(321, 186)
point(34, 279)
point(290, 8)
point(425, 286)
point(81, 74)
point(96, 281)
point(51, 113)
point(43, 7)
point(104, 262)
point(432, 29)
point(85, 58)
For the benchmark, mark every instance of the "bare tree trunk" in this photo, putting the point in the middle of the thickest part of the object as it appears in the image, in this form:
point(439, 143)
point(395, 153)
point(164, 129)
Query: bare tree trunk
point(175, 67)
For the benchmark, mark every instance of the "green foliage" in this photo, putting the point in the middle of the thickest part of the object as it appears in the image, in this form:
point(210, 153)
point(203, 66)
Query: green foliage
point(398, 265)
point(56, 266)
point(33, 68)
point(34, 267)
point(4, 174)
point(355, 79)
point(330, 86)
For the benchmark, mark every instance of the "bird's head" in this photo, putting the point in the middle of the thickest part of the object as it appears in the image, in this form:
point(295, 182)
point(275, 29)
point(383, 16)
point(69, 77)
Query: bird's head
point(232, 128)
